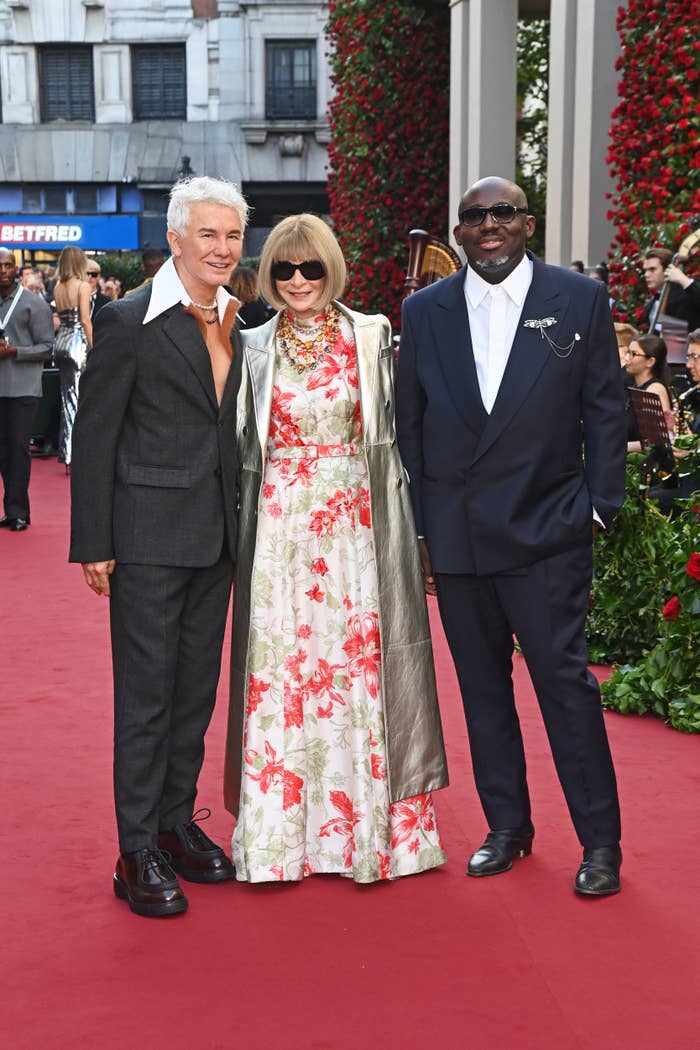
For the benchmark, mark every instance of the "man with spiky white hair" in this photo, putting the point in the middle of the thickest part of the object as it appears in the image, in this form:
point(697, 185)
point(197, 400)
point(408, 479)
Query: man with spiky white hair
point(154, 524)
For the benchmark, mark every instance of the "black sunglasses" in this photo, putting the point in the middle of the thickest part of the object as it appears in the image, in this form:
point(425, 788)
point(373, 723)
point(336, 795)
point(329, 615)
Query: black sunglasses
point(311, 270)
point(502, 213)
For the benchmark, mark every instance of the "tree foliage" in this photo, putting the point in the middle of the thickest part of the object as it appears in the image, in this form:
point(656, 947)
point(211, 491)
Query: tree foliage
point(531, 128)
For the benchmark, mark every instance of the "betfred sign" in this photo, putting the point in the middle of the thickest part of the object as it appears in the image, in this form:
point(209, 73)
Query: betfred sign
point(95, 232)
point(39, 233)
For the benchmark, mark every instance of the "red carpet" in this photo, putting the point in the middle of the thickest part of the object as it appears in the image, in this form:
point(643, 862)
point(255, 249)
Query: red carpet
point(516, 962)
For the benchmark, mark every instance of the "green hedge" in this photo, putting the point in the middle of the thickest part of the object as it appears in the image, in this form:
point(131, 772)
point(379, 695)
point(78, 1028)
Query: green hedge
point(644, 617)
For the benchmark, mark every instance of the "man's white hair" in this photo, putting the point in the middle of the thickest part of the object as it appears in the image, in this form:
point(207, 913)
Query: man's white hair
point(191, 191)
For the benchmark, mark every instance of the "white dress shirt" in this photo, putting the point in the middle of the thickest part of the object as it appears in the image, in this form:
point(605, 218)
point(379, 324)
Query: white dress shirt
point(494, 311)
point(167, 289)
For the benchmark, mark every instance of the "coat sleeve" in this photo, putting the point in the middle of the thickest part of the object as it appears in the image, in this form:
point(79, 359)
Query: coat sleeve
point(603, 414)
point(410, 406)
point(40, 329)
point(105, 390)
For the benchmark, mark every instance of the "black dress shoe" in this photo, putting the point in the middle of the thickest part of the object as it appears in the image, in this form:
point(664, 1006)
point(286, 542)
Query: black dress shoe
point(499, 851)
point(194, 855)
point(7, 523)
point(599, 874)
point(19, 525)
point(146, 880)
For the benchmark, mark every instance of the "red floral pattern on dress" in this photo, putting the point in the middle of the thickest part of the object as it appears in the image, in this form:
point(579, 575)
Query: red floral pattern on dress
point(378, 771)
point(344, 824)
point(411, 815)
point(256, 689)
point(363, 649)
point(315, 593)
point(341, 364)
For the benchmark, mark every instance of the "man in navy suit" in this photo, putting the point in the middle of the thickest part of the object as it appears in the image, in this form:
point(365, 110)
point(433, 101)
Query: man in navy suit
point(511, 424)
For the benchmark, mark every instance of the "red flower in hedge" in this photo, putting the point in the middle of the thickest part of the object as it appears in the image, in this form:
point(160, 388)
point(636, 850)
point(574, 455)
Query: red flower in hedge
point(672, 608)
point(693, 566)
point(654, 126)
point(388, 161)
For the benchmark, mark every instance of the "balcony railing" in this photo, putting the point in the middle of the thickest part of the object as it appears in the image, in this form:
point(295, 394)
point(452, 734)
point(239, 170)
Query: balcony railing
point(285, 103)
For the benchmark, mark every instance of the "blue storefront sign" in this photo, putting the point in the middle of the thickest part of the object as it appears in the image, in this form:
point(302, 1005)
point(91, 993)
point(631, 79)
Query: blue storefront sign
point(95, 232)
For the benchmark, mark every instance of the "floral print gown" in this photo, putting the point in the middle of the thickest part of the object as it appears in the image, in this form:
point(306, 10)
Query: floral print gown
point(314, 793)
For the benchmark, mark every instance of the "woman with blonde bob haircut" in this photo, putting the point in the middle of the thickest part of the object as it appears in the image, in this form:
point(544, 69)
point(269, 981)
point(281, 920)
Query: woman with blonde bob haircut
point(302, 237)
point(73, 340)
point(334, 740)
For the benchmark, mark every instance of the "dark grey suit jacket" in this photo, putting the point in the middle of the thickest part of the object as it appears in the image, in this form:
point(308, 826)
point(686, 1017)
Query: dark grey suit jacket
point(154, 474)
point(497, 492)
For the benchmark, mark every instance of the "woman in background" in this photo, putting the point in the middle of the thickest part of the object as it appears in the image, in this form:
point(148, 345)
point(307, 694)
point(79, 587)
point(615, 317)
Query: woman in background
point(73, 339)
point(646, 365)
point(334, 730)
point(244, 285)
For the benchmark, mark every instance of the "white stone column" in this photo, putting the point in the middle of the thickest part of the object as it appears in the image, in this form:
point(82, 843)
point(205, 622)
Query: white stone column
point(597, 47)
point(582, 94)
point(459, 107)
point(560, 130)
point(483, 91)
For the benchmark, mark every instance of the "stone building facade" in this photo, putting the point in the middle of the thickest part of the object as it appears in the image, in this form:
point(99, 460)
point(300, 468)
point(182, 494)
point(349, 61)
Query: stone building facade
point(106, 102)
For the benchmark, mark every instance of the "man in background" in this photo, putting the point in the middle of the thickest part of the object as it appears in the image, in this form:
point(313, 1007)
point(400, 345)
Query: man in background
point(151, 261)
point(684, 293)
point(27, 339)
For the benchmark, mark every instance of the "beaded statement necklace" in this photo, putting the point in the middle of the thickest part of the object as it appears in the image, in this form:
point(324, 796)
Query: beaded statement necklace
point(305, 355)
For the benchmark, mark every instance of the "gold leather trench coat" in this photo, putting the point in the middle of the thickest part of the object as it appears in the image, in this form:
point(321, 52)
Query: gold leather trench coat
point(416, 760)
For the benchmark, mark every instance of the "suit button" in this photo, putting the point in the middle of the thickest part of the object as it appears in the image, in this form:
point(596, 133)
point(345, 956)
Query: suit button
point(217, 472)
point(399, 482)
point(387, 405)
point(245, 431)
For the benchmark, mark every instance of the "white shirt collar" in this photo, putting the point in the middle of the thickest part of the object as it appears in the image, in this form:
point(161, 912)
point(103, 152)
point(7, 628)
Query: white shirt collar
point(167, 290)
point(516, 284)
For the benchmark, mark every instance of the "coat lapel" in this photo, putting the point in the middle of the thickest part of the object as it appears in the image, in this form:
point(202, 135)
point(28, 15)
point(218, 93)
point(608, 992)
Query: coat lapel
point(259, 350)
point(455, 352)
point(529, 353)
point(183, 332)
point(366, 332)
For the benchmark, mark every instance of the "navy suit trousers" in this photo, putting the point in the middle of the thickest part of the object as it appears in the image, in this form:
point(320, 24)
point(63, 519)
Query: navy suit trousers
point(544, 606)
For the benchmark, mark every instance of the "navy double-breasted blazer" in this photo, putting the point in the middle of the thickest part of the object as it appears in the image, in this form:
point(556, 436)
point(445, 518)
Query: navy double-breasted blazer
point(496, 492)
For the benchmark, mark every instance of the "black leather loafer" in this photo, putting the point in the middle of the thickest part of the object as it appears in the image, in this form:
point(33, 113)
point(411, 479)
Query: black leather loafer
point(194, 855)
point(146, 880)
point(599, 874)
point(7, 523)
point(500, 850)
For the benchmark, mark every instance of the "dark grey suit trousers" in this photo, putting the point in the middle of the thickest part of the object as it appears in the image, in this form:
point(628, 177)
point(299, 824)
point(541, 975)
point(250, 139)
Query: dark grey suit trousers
point(167, 628)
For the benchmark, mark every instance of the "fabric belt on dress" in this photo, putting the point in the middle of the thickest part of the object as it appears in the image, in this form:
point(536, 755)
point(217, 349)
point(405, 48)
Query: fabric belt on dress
point(312, 451)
